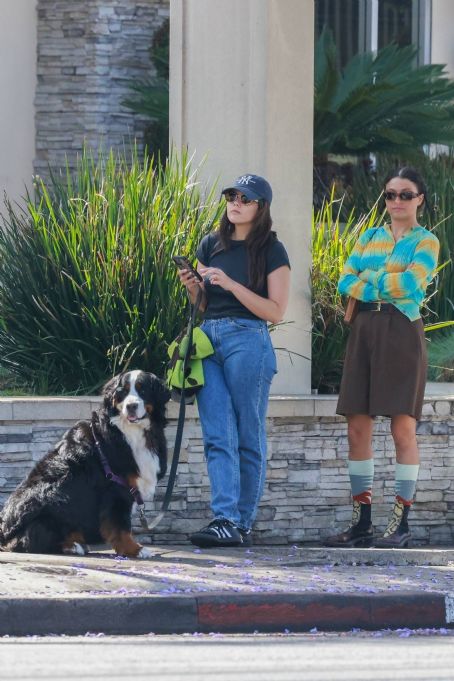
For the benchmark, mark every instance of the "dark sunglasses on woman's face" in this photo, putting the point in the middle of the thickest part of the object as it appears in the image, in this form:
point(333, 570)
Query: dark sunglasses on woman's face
point(232, 195)
point(403, 196)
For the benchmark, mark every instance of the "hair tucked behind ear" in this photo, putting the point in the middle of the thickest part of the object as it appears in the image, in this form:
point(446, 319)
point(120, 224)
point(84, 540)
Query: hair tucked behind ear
point(257, 243)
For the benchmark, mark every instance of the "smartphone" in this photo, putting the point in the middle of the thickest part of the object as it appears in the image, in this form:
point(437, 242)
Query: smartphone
point(182, 262)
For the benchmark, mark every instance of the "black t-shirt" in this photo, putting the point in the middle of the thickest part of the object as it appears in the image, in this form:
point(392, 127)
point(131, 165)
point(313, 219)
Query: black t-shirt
point(234, 262)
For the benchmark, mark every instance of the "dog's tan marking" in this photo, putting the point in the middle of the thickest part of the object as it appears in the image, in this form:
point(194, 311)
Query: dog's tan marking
point(73, 538)
point(122, 542)
point(132, 480)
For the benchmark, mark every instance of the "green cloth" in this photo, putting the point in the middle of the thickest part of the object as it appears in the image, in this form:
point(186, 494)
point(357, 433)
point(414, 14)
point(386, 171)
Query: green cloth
point(201, 348)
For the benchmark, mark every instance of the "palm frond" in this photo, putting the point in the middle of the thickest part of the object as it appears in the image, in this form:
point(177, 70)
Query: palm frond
point(379, 103)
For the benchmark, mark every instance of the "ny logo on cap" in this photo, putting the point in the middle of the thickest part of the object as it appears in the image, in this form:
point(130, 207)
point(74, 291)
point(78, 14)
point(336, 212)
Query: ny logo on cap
point(245, 179)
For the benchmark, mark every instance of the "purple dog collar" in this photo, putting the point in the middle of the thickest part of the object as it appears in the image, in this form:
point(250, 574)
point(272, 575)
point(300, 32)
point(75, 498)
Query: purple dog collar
point(110, 475)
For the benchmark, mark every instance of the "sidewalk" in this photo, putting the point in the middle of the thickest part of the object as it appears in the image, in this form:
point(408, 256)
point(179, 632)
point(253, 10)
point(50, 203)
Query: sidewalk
point(267, 589)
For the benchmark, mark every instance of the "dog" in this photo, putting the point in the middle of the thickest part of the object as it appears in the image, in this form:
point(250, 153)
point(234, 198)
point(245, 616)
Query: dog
point(83, 490)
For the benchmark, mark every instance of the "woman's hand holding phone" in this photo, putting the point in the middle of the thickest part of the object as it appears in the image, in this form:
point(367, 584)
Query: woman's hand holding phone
point(189, 277)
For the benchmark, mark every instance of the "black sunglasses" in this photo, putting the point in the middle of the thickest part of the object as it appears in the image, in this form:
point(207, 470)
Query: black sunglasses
point(231, 195)
point(403, 196)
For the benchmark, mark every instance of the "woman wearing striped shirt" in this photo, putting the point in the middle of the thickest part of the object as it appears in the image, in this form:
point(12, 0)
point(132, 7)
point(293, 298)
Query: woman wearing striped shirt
point(385, 365)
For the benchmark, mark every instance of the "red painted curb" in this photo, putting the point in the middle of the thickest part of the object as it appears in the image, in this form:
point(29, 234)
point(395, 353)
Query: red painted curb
point(329, 612)
point(227, 613)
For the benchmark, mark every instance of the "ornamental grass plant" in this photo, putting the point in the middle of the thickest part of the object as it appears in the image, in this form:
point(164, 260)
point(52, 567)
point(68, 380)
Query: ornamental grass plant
point(87, 284)
point(441, 356)
point(332, 243)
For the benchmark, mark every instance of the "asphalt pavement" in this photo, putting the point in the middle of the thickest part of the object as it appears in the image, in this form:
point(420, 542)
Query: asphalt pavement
point(182, 589)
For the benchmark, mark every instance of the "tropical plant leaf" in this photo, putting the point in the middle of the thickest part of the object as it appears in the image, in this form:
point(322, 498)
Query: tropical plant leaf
point(379, 102)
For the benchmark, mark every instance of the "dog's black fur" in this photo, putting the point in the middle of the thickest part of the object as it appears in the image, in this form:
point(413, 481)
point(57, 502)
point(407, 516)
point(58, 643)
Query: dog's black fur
point(67, 501)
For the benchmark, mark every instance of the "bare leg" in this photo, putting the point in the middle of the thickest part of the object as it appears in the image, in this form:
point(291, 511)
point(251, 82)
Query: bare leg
point(360, 429)
point(403, 429)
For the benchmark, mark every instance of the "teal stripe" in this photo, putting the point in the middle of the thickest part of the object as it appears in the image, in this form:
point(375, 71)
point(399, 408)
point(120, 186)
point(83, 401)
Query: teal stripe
point(407, 471)
point(406, 477)
point(361, 475)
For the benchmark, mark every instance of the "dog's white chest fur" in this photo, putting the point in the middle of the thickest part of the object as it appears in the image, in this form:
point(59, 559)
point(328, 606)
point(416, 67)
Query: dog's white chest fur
point(146, 459)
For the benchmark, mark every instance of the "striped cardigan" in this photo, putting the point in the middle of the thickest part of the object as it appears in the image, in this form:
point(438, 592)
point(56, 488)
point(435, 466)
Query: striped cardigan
point(395, 272)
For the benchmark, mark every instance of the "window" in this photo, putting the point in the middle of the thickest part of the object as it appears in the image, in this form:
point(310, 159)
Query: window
point(342, 17)
point(368, 25)
point(395, 22)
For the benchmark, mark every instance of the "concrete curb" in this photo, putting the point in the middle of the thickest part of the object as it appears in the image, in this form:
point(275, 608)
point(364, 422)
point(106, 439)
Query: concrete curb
point(232, 613)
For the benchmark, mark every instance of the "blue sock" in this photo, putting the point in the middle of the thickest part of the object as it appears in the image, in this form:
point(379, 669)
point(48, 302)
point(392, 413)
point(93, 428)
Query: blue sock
point(361, 479)
point(406, 477)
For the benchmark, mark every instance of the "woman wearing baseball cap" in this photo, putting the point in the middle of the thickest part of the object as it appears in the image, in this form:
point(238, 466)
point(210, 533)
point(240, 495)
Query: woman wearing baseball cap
point(246, 280)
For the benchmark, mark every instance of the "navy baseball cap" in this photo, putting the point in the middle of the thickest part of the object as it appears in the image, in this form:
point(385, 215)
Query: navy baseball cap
point(253, 186)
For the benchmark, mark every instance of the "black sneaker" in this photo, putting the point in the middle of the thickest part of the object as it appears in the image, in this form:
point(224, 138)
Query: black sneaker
point(218, 533)
point(246, 536)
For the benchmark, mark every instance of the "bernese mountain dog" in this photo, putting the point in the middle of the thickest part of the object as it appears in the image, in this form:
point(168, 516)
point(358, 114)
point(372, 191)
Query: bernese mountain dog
point(83, 490)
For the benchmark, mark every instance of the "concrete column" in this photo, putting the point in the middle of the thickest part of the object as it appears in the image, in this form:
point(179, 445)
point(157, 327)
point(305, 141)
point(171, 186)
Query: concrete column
point(17, 87)
point(241, 84)
point(442, 43)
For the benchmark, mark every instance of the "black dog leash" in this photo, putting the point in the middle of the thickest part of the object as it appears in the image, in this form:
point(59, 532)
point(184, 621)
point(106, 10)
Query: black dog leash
point(181, 416)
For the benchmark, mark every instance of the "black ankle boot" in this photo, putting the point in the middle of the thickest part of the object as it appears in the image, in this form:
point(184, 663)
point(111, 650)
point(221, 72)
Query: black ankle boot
point(360, 531)
point(397, 535)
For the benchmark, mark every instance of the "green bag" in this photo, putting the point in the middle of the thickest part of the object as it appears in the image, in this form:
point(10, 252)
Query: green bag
point(194, 379)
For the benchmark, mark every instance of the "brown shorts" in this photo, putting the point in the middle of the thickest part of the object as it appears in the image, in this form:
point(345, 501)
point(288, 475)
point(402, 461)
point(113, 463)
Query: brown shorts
point(385, 366)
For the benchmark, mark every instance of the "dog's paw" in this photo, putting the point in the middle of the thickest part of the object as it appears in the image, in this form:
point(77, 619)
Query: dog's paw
point(145, 553)
point(75, 550)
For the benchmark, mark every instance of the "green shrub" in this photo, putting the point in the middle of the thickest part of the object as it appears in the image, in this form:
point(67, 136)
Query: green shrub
point(379, 102)
point(441, 357)
point(87, 284)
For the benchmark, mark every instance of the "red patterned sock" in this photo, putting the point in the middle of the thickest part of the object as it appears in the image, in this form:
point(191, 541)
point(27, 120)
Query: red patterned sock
point(364, 498)
point(403, 501)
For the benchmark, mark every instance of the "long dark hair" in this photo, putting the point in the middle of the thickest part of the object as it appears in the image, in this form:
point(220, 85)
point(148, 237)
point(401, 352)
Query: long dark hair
point(413, 175)
point(257, 243)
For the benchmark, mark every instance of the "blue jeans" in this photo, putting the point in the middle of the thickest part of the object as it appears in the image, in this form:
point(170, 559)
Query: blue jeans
point(232, 408)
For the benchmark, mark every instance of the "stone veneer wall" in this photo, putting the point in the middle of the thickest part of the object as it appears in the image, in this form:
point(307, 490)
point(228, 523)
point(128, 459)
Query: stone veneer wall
point(307, 493)
point(88, 53)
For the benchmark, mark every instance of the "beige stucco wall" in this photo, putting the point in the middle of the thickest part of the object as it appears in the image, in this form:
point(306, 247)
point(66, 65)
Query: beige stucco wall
point(241, 82)
point(17, 92)
point(443, 34)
